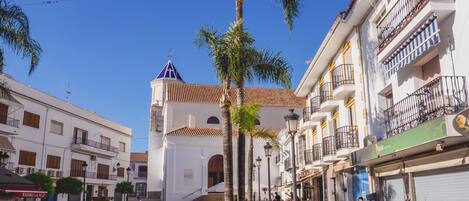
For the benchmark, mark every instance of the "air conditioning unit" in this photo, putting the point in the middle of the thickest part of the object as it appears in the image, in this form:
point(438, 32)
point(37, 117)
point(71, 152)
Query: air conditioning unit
point(59, 174)
point(93, 157)
point(51, 173)
point(19, 171)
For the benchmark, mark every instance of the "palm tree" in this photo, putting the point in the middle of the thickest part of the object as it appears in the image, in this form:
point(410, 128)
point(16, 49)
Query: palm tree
point(291, 11)
point(222, 50)
point(14, 32)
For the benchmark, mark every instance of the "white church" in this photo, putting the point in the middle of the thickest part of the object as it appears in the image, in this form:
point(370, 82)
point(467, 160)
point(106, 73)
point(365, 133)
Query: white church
point(185, 155)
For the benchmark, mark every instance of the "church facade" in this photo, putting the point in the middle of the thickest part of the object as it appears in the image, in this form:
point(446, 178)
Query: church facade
point(185, 155)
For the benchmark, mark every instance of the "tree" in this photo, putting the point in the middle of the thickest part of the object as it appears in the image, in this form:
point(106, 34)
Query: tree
point(68, 185)
point(291, 11)
point(220, 48)
point(124, 187)
point(15, 33)
point(43, 181)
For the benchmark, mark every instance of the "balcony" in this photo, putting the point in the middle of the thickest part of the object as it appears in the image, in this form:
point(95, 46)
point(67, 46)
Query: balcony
point(93, 147)
point(316, 114)
point(307, 123)
point(92, 175)
point(327, 103)
point(317, 156)
point(343, 81)
point(287, 164)
point(329, 149)
point(441, 96)
point(346, 140)
point(406, 16)
point(9, 125)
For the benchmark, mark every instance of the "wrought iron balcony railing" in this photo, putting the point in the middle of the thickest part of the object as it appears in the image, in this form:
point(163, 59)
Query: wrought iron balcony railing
point(92, 175)
point(397, 18)
point(342, 75)
point(95, 144)
point(317, 152)
point(325, 92)
point(328, 145)
point(443, 95)
point(314, 103)
point(308, 157)
point(346, 137)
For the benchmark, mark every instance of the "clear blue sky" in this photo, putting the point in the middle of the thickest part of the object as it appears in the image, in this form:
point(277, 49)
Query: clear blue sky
point(108, 51)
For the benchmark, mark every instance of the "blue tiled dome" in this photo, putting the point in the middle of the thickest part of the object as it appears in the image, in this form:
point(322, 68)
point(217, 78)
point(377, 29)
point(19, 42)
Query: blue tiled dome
point(169, 72)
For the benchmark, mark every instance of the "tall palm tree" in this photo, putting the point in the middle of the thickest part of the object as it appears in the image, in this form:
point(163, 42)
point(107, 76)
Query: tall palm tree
point(291, 11)
point(14, 32)
point(223, 50)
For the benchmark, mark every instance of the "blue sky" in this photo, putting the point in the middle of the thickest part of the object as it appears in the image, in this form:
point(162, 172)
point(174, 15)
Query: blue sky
point(107, 51)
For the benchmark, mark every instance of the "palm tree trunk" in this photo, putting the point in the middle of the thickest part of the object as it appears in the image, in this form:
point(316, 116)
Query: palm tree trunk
point(250, 167)
point(227, 142)
point(241, 137)
point(241, 149)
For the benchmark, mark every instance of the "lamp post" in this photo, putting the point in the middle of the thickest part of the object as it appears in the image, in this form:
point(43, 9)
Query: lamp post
point(258, 162)
point(128, 180)
point(83, 167)
point(291, 119)
point(268, 153)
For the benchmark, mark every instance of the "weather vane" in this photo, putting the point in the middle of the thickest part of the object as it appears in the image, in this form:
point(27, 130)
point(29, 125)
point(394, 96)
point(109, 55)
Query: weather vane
point(170, 54)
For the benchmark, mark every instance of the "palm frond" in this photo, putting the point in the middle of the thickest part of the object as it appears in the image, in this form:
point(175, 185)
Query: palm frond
point(245, 116)
point(269, 66)
point(217, 50)
point(267, 135)
point(291, 10)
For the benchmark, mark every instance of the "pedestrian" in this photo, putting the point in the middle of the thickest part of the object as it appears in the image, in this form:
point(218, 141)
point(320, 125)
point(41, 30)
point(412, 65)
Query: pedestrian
point(361, 199)
point(277, 197)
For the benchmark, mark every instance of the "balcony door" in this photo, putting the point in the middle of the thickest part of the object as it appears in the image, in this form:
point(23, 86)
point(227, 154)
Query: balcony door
point(3, 113)
point(81, 136)
point(103, 171)
point(105, 143)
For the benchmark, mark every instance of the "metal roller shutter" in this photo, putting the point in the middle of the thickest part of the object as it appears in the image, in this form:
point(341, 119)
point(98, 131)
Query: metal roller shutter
point(393, 189)
point(443, 185)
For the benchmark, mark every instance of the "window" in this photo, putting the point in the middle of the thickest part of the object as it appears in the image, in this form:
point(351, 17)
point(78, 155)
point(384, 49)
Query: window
point(53, 162)
point(27, 158)
point(105, 140)
point(120, 171)
point(56, 127)
point(213, 120)
point(141, 189)
point(76, 168)
point(121, 146)
point(142, 171)
point(3, 113)
point(103, 171)
point(31, 119)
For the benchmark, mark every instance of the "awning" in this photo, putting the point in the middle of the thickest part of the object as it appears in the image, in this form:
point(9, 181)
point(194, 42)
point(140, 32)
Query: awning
point(418, 43)
point(5, 145)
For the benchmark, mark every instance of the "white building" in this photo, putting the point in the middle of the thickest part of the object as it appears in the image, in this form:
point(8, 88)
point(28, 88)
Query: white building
point(138, 164)
point(415, 58)
point(185, 141)
point(43, 133)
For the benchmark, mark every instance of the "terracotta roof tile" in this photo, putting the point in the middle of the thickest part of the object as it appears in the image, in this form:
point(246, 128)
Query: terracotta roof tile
point(138, 156)
point(196, 93)
point(196, 132)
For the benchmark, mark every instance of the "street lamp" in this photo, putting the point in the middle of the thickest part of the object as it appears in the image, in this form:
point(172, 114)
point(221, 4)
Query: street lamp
point(291, 119)
point(83, 167)
point(258, 162)
point(268, 153)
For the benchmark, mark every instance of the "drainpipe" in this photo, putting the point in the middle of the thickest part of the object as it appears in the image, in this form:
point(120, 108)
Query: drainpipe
point(43, 166)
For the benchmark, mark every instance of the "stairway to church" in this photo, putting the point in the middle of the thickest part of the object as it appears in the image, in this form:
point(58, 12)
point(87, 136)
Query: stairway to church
point(210, 197)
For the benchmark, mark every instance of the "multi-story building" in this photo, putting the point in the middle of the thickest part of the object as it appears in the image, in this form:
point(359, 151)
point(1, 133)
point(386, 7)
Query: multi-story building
point(41, 133)
point(414, 53)
point(185, 152)
point(138, 164)
point(334, 119)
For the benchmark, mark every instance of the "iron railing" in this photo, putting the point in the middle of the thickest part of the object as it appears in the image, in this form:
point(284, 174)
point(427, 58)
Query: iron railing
point(92, 175)
point(325, 92)
point(306, 114)
point(12, 122)
point(397, 18)
point(314, 104)
point(342, 75)
point(328, 145)
point(443, 95)
point(346, 137)
point(95, 144)
point(308, 157)
point(317, 152)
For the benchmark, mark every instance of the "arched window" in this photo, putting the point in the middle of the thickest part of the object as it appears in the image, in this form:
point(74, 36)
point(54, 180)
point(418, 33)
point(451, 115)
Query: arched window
point(213, 120)
point(215, 170)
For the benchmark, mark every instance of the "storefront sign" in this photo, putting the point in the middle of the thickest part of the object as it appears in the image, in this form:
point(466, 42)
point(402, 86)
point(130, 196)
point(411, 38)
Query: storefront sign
point(27, 194)
point(460, 122)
